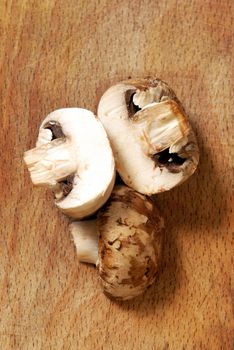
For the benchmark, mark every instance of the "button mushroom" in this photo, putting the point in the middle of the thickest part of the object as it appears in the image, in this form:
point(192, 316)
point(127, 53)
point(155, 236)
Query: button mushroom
point(153, 143)
point(125, 243)
point(74, 158)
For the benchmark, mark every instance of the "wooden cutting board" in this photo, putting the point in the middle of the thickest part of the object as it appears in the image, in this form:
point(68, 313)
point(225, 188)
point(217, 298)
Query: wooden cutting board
point(56, 53)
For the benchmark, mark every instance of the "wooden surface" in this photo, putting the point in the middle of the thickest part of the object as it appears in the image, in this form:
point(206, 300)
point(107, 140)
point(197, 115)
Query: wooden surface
point(66, 53)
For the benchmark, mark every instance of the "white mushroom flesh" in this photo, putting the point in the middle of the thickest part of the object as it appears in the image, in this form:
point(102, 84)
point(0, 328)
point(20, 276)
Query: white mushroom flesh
point(85, 237)
point(83, 152)
point(153, 128)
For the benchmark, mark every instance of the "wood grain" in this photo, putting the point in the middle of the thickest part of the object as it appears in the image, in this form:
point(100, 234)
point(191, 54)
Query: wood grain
point(55, 54)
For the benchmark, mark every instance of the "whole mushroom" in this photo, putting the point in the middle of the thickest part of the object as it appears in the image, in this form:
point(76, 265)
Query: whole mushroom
point(153, 143)
point(125, 243)
point(73, 157)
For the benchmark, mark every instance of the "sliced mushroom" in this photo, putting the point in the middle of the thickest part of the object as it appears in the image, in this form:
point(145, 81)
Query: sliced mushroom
point(74, 158)
point(125, 243)
point(153, 143)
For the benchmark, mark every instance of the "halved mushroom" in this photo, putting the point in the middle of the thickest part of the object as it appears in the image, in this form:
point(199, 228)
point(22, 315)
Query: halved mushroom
point(153, 143)
point(124, 243)
point(74, 158)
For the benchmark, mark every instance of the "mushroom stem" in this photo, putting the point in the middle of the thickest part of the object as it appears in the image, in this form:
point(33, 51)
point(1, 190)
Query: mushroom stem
point(161, 125)
point(51, 162)
point(85, 237)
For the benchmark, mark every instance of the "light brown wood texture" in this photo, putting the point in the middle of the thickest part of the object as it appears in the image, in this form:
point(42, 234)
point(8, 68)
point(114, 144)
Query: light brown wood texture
point(56, 53)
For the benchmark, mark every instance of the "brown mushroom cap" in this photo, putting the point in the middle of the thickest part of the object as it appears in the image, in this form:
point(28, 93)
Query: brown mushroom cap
point(130, 242)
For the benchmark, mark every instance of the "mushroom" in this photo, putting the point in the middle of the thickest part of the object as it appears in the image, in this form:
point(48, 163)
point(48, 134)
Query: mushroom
point(125, 243)
point(73, 157)
point(152, 140)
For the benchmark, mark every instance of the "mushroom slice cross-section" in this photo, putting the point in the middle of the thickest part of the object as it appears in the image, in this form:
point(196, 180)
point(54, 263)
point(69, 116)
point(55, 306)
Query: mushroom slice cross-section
point(125, 243)
point(74, 158)
point(152, 140)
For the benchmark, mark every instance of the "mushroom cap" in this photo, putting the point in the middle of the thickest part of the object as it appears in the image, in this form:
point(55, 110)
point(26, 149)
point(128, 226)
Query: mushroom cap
point(154, 146)
point(130, 243)
point(90, 155)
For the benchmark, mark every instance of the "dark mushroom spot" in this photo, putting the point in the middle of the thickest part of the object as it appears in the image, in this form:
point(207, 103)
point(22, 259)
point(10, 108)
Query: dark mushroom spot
point(118, 180)
point(66, 185)
point(172, 161)
point(112, 242)
point(56, 130)
point(132, 108)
